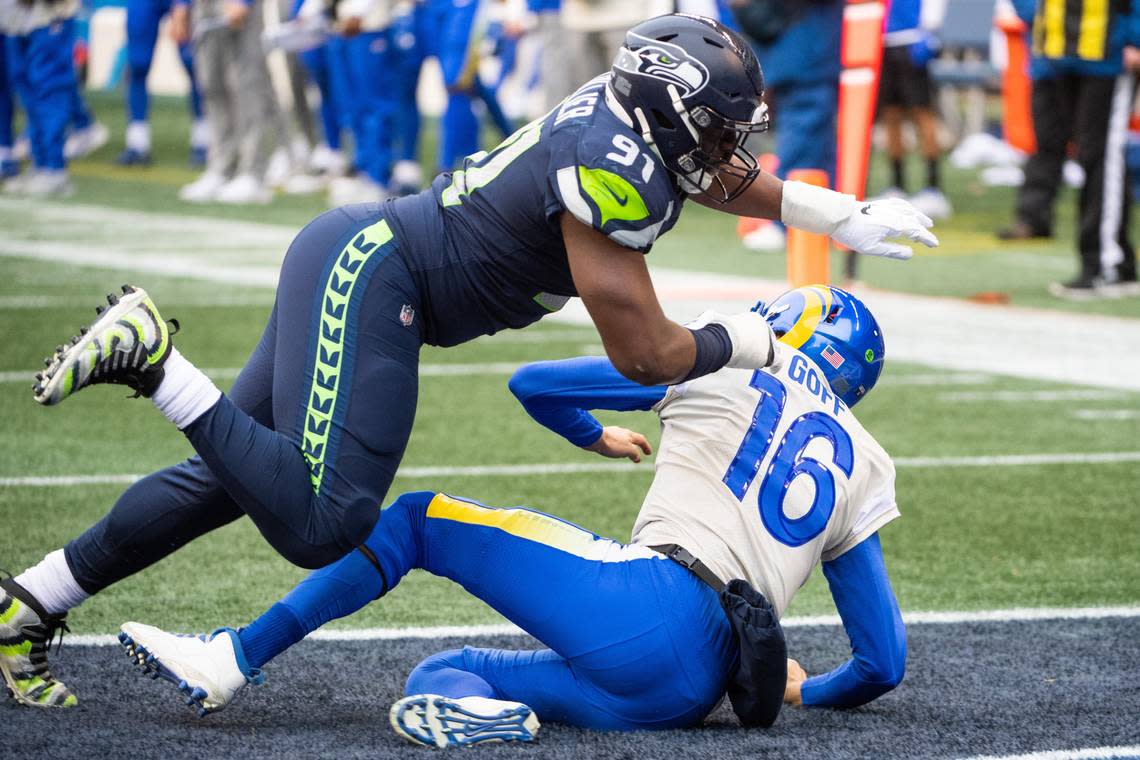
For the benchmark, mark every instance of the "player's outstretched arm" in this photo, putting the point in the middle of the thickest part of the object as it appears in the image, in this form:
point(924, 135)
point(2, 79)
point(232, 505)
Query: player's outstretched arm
point(643, 344)
point(863, 226)
point(870, 613)
point(560, 394)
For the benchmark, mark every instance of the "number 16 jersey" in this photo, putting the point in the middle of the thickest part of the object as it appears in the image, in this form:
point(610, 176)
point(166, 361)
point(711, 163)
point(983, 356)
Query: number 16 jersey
point(761, 475)
point(484, 244)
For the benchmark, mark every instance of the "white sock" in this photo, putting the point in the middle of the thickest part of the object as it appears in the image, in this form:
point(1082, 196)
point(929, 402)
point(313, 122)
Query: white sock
point(138, 136)
point(185, 393)
point(52, 584)
point(200, 133)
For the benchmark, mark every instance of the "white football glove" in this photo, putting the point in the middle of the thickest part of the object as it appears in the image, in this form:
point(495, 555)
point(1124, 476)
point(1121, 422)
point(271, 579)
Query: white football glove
point(862, 226)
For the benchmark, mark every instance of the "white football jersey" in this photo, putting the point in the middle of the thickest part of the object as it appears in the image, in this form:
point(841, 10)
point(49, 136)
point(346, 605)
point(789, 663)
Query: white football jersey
point(761, 475)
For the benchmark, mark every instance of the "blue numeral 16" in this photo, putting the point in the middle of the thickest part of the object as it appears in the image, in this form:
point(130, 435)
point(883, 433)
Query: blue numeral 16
point(788, 464)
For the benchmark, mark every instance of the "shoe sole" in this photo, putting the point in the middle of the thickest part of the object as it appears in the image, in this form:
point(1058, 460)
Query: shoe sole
point(64, 359)
point(1076, 294)
point(152, 666)
point(515, 725)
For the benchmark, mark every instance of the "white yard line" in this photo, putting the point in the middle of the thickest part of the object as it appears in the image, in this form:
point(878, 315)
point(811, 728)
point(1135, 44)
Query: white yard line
point(1114, 415)
point(1016, 614)
point(569, 468)
point(1086, 753)
point(1021, 396)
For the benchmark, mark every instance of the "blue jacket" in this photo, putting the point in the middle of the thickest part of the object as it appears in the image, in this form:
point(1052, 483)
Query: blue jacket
point(808, 50)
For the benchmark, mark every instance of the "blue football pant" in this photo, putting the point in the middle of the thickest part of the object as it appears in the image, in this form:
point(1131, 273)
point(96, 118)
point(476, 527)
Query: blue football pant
point(635, 640)
point(805, 127)
point(7, 106)
point(143, 18)
point(373, 102)
point(408, 52)
point(42, 73)
point(316, 62)
point(310, 436)
point(447, 29)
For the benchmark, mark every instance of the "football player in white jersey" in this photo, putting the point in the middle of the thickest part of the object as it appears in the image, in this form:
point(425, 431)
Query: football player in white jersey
point(761, 475)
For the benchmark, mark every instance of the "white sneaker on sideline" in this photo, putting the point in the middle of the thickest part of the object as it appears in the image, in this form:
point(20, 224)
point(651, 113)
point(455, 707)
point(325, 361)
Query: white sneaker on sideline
point(304, 184)
point(361, 189)
point(204, 189)
point(932, 202)
point(278, 169)
point(49, 184)
point(244, 190)
point(770, 237)
point(325, 159)
point(84, 142)
point(18, 183)
point(434, 721)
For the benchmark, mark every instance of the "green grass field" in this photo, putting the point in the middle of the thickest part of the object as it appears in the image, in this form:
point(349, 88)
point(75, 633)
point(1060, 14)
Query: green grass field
point(971, 537)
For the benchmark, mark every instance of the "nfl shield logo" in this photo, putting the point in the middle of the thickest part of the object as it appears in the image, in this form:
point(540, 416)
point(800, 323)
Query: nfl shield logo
point(407, 315)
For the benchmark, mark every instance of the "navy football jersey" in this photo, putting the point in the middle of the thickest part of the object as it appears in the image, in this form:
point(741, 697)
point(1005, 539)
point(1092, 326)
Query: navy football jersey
point(484, 244)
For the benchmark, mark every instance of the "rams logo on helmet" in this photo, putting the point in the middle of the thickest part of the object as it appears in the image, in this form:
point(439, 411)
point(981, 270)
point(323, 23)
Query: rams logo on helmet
point(668, 63)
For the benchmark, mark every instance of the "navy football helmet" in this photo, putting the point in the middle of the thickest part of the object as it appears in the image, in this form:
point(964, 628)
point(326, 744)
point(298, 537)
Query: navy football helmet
point(694, 90)
point(836, 331)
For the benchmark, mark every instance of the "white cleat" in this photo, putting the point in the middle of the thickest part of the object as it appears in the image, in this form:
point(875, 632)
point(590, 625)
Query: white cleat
point(49, 184)
point(434, 721)
point(244, 190)
point(932, 202)
point(210, 671)
point(361, 189)
point(84, 142)
point(769, 237)
point(204, 189)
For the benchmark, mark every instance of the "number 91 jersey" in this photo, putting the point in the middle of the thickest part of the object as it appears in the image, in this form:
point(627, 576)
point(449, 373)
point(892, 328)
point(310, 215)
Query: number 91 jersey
point(485, 243)
point(761, 475)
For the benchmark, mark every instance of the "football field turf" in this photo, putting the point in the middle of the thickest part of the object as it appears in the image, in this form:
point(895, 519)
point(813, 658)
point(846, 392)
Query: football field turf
point(1015, 492)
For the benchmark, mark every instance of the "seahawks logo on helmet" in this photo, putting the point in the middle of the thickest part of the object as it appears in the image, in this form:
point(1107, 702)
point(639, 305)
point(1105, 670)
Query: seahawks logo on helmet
point(668, 63)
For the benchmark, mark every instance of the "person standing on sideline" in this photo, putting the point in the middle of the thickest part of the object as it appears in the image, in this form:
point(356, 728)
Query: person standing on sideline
point(1086, 56)
point(799, 53)
point(229, 62)
point(905, 91)
point(143, 18)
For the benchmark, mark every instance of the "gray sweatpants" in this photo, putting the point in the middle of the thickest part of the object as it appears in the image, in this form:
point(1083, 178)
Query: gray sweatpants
point(234, 82)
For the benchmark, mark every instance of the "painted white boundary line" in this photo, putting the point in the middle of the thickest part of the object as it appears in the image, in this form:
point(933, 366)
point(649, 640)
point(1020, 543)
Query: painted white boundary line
point(1009, 460)
point(1086, 753)
point(1016, 614)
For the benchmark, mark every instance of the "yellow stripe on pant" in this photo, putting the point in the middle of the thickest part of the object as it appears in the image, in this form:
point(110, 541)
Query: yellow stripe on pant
point(537, 527)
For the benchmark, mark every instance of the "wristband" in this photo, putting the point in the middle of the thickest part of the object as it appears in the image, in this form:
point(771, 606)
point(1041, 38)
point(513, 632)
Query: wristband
point(814, 209)
point(714, 349)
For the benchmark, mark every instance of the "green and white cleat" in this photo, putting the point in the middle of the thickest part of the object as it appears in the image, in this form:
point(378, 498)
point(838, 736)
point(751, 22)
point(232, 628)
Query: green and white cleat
point(26, 631)
point(126, 345)
point(434, 721)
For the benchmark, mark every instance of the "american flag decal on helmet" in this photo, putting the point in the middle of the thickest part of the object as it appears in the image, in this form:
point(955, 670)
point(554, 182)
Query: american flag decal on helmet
point(832, 357)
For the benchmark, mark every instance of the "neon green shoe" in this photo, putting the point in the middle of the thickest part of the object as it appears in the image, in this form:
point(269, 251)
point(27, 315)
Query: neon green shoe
point(26, 631)
point(127, 345)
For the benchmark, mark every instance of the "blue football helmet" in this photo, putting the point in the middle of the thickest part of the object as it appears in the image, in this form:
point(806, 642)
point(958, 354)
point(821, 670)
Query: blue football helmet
point(693, 89)
point(836, 331)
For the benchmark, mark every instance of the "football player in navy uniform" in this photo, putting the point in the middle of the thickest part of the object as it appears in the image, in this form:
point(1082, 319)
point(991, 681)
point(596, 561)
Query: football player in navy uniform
point(761, 475)
point(310, 436)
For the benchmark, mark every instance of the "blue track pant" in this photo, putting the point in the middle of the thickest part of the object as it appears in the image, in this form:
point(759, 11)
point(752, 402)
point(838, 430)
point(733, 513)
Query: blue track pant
point(316, 63)
point(143, 17)
point(42, 73)
point(635, 640)
point(7, 105)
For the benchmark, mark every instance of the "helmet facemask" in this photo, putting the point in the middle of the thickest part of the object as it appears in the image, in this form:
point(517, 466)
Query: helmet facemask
point(723, 165)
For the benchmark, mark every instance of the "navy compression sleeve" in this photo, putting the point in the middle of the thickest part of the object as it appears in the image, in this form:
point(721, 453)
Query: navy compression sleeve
point(558, 394)
point(862, 592)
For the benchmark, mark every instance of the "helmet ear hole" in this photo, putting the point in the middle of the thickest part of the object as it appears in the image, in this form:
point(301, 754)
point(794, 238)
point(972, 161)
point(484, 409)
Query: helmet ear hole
point(833, 314)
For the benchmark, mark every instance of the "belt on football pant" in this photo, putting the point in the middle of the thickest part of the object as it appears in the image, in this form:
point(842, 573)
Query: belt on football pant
point(685, 559)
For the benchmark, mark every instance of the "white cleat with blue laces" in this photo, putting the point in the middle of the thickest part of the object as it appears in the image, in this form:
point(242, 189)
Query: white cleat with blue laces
point(210, 671)
point(435, 721)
